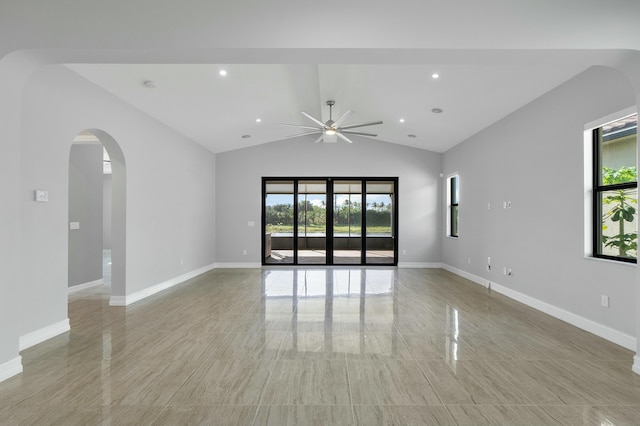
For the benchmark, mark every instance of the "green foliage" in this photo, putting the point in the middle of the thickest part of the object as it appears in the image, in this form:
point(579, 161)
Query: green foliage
point(623, 175)
point(347, 218)
point(622, 208)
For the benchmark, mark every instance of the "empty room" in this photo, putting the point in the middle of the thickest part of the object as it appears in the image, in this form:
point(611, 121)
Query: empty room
point(367, 213)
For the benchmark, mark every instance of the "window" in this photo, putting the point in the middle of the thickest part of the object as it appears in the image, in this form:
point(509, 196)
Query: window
point(330, 221)
point(615, 190)
point(452, 203)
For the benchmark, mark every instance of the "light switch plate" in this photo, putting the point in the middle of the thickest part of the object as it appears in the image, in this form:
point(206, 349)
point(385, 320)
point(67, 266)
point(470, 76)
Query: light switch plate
point(74, 225)
point(41, 196)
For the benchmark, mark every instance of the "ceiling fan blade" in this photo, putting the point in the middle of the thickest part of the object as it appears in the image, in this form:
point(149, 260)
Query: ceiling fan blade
point(351, 126)
point(302, 134)
point(318, 122)
point(299, 127)
point(359, 133)
point(342, 118)
point(319, 139)
point(343, 137)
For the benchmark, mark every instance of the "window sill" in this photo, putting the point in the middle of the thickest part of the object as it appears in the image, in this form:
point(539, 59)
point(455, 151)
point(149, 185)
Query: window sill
point(611, 261)
point(451, 237)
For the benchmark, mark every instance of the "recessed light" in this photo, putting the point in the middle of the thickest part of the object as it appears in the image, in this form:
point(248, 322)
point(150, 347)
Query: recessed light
point(246, 136)
point(258, 120)
point(402, 120)
point(411, 136)
point(150, 84)
point(222, 72)
point(435, 75)
point(436, 110)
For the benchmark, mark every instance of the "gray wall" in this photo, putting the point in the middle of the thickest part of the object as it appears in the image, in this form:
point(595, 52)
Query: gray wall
point(534, 157)
point(107, 189)
point(170, 212)
point(85, 206)
point(238, 190)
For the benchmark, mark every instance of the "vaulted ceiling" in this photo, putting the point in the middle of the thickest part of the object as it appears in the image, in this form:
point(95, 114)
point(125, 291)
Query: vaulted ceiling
point(491, 57)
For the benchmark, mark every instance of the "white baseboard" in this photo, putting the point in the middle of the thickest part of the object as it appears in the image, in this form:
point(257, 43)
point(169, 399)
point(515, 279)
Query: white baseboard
point(636, 364)
point(45, 333)
point(10, 368)
point(600, 330)
point(430, 265)
point(85, 286)
point(464, 274)
point(234, 265)
point(118, 301)
point(150, 291)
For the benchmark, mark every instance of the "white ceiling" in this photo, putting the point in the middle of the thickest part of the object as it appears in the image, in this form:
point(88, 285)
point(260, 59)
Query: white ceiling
point(217, 111)
point(493, 57)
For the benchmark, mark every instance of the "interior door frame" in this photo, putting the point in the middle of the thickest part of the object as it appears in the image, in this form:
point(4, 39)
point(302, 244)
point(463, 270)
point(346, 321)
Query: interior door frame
point(329, 246)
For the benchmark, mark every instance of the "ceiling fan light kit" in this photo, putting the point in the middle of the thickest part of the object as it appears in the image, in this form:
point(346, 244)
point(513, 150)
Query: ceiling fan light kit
point(331, 131)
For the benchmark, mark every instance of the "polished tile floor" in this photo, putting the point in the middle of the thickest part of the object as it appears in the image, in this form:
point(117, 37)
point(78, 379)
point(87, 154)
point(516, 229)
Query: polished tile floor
point(325, 346)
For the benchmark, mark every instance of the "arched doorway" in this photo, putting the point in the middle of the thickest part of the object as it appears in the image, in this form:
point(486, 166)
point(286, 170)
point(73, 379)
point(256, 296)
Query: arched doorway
point(86, 193)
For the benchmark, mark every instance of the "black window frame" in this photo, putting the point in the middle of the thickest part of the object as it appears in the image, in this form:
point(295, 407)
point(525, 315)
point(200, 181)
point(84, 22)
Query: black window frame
point(453, 230)
point(598, 190)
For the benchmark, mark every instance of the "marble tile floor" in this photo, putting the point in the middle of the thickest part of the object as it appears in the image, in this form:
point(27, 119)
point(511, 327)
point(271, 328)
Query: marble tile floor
point(328, 346)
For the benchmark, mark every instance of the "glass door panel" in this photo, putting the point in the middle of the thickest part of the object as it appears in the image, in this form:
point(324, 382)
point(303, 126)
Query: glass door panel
point(380, 232)
point(312, 222)
point(347, 222)
point(278, 239)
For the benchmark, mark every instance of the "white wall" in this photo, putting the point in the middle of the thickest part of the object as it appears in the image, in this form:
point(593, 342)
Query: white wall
point(86, 184)
point(170, 191)
point(238, 190)
point(534, 157)
point(107, 189)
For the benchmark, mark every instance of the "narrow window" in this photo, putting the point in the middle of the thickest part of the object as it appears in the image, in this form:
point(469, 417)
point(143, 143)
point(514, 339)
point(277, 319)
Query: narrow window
point(615, 190)
point(453, 199)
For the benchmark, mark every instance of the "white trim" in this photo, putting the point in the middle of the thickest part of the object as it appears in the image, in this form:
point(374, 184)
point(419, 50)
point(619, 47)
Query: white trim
point(464, 274)
point(636, 364)
point(45, 333)
point(419, 265)
point(10, 368)
point(118, 301)
point(85, 286)
point(600, 330)
point(150, 291)
point(234, 265)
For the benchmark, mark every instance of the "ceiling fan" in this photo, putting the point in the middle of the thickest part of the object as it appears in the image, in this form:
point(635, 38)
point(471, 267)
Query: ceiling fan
point(332, 130)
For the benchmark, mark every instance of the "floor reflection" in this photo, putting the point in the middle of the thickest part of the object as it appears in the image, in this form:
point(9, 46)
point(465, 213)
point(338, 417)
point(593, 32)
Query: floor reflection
point(332, 309)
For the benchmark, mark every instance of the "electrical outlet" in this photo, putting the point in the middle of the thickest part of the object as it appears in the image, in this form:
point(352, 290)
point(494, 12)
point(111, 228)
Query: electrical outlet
point(604, 301)
point(504, 271)
point(244, 252)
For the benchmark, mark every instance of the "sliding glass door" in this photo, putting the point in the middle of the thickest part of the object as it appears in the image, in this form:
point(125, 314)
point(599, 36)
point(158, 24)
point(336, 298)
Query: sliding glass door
point(330, 221)
point(312, 222)
point(347, 222)
point(380, 247)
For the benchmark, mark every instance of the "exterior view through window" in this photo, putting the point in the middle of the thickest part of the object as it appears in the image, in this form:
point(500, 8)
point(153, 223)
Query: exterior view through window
point(615, 208)
point(330, 221)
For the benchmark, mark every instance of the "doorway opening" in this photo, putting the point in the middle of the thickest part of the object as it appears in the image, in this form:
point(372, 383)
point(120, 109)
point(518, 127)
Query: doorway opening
point(97, 213)
point(330, 221)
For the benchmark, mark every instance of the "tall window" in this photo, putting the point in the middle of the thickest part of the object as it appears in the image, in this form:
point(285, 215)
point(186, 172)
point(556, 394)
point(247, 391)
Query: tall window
point(615, 194)
point(452, 202)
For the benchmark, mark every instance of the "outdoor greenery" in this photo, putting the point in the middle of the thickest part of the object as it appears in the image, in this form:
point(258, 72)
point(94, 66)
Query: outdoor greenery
point(619, 207)
point(279, 218)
